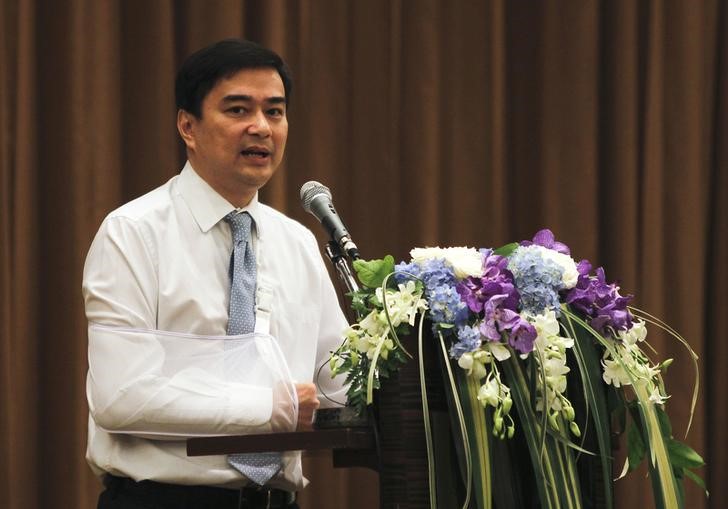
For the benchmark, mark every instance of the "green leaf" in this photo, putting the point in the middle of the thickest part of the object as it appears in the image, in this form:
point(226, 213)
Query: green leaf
point(360, 302)
point(664, 419)
point(506, 250)
point(542, 458)
point(475, 416)
point(636, 449)
point(564, 440)
point(697, 480)
point(618, 411)
point(683, 455)
point(371, 273)
point(665, 486)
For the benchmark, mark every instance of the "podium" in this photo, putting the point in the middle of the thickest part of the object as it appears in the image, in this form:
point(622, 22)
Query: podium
point(393, 445)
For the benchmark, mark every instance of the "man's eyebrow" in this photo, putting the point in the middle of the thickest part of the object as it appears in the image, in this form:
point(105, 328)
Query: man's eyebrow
point(247, 98)
point(233, 98)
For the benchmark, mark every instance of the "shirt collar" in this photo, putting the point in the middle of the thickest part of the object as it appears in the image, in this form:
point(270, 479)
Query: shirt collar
point(208, 207)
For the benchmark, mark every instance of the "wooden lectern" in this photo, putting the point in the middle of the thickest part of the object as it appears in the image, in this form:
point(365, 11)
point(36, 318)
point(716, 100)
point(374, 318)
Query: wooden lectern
point(394, 445)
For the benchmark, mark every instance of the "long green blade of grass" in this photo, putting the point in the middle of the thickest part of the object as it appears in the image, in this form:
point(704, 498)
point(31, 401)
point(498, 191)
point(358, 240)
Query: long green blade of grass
point(474, 413)
point(462, 425)
point(548, 488)
point(587, 359)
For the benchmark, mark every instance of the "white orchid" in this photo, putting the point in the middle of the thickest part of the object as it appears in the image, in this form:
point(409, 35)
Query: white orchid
point(614, 373)
point(365, 337)
point(546, 324)
point(367, 345)
point(403, 304)
point(474, 363)
point(497, 350)
point(372, 324)
point(656, 396)
point(627, 364)
point(635, 335)
point(489, 393)
point(550, 353)
point(496, 394)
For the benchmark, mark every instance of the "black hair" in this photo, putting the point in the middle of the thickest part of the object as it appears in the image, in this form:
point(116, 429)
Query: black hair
point(203, 69)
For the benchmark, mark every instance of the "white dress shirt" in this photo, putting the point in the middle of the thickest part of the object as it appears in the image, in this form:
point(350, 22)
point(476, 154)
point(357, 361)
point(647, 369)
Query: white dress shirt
point(160, 263)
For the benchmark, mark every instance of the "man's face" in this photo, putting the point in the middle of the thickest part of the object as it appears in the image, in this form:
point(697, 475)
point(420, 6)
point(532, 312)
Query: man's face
point(238, 142)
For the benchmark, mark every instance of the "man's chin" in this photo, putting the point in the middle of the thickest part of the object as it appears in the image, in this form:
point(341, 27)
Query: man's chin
point(256, 176)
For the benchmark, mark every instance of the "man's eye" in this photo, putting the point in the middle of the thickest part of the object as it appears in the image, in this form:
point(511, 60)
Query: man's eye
point(275, 112)
point(236, 110)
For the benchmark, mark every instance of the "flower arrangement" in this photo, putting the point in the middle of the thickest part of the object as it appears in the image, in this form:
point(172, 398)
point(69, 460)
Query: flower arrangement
point(520, 322)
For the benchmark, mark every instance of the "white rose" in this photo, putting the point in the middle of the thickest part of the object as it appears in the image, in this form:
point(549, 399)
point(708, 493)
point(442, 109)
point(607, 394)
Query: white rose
point(567, 263)
point(465, 261)
point(421, 254)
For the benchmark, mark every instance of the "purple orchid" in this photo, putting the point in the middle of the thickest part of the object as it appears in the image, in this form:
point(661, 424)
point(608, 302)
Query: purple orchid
point(496, 319)
point(496, 281)
point(521, 334)
point(495, 295)
point(600, 301)
point(546, 239)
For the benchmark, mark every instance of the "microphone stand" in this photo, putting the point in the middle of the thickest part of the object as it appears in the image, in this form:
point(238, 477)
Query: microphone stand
point(338, 259)
point(344, 416)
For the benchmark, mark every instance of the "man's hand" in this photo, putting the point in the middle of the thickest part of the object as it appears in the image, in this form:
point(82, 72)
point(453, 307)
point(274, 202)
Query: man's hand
point(307, 403)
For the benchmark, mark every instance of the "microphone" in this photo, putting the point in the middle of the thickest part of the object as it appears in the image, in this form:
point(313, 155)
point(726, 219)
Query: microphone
point(316, 199)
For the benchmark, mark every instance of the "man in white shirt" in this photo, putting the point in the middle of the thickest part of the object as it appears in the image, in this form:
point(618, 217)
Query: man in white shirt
point(157, 284)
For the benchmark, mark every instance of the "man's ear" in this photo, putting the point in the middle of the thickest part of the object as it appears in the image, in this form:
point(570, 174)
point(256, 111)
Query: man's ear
point(185, 125)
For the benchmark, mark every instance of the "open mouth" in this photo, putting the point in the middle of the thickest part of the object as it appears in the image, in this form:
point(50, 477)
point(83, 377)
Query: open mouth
point(257, 153)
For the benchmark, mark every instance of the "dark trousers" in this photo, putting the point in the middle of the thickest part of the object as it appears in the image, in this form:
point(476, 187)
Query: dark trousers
point(123, 493)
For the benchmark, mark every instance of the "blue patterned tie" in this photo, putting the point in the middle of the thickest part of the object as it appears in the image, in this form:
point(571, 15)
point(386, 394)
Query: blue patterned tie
point(258, 467)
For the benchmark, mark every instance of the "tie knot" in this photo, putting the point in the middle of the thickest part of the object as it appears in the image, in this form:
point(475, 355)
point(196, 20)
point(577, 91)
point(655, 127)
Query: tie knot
point(240, 223)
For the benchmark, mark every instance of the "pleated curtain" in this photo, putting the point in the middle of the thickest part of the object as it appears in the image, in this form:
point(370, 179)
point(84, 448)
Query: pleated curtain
point(434, 122)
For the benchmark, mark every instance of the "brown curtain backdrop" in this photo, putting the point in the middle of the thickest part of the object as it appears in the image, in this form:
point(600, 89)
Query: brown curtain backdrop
point(433, 121)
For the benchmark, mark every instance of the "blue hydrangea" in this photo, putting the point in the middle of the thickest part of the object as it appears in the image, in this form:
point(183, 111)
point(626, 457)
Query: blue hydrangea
point(468, 341)
point(437, 273)
point(440, 282)
point(403, 272)
point(537, 279)
point(445, 305)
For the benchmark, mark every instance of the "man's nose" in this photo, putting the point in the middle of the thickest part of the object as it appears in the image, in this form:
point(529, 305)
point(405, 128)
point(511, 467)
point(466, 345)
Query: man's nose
point(260, 125)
